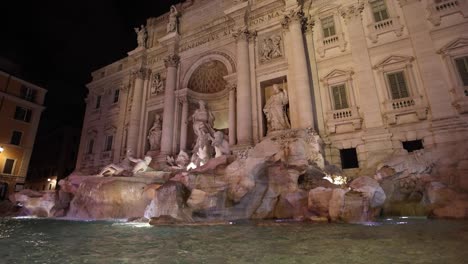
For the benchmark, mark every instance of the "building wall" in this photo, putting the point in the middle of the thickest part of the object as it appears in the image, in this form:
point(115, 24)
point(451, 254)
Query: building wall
point(10, 98)
point(421, 39)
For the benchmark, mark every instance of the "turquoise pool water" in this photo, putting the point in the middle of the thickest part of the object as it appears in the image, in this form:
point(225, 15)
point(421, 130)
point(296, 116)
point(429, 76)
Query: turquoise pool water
point(395, 240)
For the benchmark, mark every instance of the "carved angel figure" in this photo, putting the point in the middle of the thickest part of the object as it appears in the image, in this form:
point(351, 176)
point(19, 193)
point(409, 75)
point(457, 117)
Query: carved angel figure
point(141, 36)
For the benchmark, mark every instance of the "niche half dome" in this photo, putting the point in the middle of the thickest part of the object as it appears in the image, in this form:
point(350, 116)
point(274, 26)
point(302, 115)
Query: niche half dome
point(208, 78)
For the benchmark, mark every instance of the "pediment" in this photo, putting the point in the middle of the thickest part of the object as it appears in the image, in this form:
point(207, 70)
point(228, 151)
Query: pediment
point(336, 74)
point(92, 132)
point(393, 59)
point(110, 128)
point(453, 45)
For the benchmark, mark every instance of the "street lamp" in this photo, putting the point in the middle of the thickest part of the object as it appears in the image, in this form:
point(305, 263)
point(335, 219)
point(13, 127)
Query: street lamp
point(1, 149)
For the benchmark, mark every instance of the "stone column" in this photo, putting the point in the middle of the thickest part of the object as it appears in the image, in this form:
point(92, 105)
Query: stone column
point(244, 100)
point(363, 67)
point(135, 112)
point(232, 114)
point(184, 123)
point(294, 21)
point(171, 62)
point(317, 103)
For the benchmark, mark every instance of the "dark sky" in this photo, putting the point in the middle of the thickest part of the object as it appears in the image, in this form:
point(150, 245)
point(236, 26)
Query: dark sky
point(58, 43)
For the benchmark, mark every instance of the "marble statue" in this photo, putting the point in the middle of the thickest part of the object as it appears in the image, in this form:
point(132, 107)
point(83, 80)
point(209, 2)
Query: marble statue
point(180, 162)
point(155, 133)
point(220, 144)
point(157, 86)
point(141, 36)
point(173, 25)
point(114, 169)
point(275, 112)
point(141, 165)
point(111, 170)
point(203, 121)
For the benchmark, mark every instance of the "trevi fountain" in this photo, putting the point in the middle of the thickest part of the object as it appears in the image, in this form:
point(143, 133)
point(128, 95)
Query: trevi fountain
point(280, 199)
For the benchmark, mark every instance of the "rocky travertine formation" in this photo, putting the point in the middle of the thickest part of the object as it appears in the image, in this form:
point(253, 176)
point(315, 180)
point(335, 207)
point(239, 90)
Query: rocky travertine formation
point(281, 177)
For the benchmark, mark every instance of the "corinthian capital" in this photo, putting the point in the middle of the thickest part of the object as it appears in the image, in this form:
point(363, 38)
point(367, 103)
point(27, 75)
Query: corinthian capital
point(294, 15)
point(351, 12)
point(142, 73)
point(243, 34)
point(172, 60)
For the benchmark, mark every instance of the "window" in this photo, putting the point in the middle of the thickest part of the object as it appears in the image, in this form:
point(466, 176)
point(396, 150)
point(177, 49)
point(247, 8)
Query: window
point(349, 159)
point(108, 146)
point(16, 138)
point(462, 67)
point(379, 10)
point(397, 85)
point(98, 102)
point(28, 93)
point(413, 145)
point(90, 147)
point(340, 99)
point(8, 168)
point(116, 96)
point(328, 26)
point(23, 114)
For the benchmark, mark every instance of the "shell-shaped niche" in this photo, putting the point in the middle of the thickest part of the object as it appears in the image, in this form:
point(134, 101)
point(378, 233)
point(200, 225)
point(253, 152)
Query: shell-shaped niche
point(208, 78)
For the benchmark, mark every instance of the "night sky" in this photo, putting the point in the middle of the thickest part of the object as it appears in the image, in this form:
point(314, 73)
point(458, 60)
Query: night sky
point(58, 43)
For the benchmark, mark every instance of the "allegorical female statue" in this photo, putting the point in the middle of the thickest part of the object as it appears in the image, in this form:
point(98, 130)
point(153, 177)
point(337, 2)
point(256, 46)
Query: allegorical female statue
point(141, 36)
point(275, 110)
point(173, 25)
point(155, 132)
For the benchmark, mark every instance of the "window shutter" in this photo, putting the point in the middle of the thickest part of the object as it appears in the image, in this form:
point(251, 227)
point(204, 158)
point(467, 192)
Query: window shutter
point(339, 97)
point(462, 66)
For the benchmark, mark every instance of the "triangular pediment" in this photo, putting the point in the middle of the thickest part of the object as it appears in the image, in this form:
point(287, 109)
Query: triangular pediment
point(336, 73)
point(394, 59)
point(453, 45)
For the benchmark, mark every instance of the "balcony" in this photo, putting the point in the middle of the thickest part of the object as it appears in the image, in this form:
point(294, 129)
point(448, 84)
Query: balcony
point(445, 8)
point(331, 42)
point(343, 120)
point(385, 26)
point(405, 110)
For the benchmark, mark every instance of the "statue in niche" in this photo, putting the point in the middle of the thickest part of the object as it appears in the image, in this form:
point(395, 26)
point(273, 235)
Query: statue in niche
point(157, 86)
point(220, 144)
point(173, 25)
point(155, 133)
point(141, 36)
point(275, 111)
point(271, 48)
point(203, 121)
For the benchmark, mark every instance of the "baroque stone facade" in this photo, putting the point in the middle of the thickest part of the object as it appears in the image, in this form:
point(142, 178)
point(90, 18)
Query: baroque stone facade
point(371, 77)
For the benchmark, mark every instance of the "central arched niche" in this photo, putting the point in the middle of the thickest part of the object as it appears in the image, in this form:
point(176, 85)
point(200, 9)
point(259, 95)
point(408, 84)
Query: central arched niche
point(208, 78)
point(207, 83)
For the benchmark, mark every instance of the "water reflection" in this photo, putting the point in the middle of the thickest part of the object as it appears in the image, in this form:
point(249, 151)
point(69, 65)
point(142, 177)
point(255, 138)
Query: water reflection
point(384, 241)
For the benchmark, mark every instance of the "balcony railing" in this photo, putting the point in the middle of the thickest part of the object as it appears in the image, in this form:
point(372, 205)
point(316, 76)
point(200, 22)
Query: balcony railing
point(342, 117)
point(445, 8)
point(405, 106)
point(388, 25)
point(330, 40)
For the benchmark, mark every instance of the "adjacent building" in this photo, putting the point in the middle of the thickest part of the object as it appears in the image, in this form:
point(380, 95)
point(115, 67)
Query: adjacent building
point(54, 157)
point(21, 105)
point(371, 77)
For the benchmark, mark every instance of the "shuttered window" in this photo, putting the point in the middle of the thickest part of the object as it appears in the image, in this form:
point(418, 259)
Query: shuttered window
point(398, 87)
point(328, 26)
point(8, 167)
point(109, 140)
point(340, 99)
point(462, 66)
point(379, 9)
